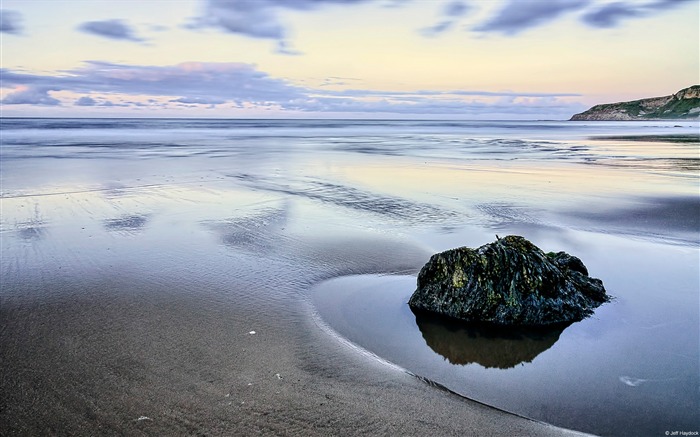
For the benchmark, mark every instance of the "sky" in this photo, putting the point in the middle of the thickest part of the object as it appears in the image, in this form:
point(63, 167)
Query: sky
point(418, 59)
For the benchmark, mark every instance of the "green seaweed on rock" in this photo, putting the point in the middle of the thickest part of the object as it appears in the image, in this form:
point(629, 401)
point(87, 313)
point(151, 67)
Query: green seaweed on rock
point(508, 282)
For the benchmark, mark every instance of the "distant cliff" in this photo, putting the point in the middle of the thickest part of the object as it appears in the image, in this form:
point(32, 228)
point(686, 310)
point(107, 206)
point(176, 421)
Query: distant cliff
point(685, 104)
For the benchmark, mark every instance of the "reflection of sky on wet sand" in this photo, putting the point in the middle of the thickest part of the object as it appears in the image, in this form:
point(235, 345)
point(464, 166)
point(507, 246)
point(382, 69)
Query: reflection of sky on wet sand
point(256, 233)
point(126, 223)
point(29, 225)
point(587, 197)
point(556, 183)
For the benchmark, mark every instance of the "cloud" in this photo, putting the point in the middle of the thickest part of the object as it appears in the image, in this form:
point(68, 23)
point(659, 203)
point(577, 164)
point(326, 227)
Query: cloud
point(435, 94)
point(258, 18)
point(194, 81)
point(85, 101)
point(31, 96)
point(199, 101)
point(437, 29)
point(518, 15)
point(10, 22)
point(450, 14)
point(108, 103)
point(89, 101)
point(284, 49)
point(112, 29)
point(456, 9)
point(610, 15)
point(254, 19)
point(550, 108)
point(467, 103)
point(239, 85)
point(663, 4)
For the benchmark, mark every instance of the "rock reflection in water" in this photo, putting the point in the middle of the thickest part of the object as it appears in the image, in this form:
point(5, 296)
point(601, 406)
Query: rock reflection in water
point(488, 346)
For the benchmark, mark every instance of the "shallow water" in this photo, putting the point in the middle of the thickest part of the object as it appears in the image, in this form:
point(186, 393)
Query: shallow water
point(254, 213)
point(630, 369)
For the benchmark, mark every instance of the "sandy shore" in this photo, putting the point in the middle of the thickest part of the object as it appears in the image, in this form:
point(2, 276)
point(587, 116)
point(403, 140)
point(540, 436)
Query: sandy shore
point(111, 355)
point(141, 323)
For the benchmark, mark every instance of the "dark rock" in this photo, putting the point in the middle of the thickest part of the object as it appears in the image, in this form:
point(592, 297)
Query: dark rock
point(508, 282)
point(569, 261)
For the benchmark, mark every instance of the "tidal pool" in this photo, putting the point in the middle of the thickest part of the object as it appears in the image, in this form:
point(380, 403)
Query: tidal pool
point(630, 369)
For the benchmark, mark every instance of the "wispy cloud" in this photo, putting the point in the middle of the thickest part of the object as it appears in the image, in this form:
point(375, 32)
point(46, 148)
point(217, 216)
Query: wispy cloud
point(238, 85)
point(432, 93)
point(612, 14)
point(283, 48)
point(10, 22)
point(518, 15)
point(421, 106)
point(112, 29)
point(450, 14)
point(259, 18)
point(199, 100)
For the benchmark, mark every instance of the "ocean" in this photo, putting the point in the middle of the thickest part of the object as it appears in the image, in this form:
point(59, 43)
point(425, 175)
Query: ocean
point(329, 222)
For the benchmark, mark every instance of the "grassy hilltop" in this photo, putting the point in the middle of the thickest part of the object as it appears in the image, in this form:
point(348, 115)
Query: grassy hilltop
point(685, 104)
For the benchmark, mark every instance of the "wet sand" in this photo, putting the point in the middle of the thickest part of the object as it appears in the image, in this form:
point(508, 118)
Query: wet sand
point(130, 311)
point(112, 354)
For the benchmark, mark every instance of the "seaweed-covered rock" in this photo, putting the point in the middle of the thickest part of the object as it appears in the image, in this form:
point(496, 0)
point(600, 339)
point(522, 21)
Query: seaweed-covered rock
point(508, 282)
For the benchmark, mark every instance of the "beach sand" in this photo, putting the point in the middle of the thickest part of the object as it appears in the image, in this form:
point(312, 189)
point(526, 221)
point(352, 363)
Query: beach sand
point(112, 355)
point(132, 312)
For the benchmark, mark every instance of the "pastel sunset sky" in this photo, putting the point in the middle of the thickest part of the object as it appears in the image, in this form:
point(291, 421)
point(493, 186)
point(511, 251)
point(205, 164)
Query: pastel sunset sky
point(464, 59)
